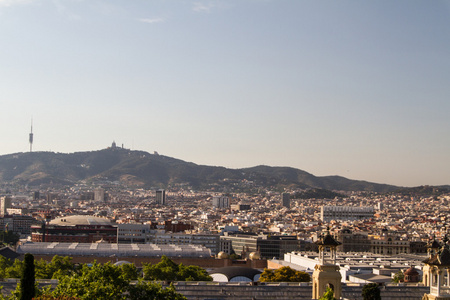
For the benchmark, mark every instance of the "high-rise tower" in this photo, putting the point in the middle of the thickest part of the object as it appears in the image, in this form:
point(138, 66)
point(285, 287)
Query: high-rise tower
point(31, 136)
point(161, 197)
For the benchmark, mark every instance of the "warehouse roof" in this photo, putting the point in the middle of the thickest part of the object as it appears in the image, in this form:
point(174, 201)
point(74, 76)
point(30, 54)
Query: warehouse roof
point(118, 250)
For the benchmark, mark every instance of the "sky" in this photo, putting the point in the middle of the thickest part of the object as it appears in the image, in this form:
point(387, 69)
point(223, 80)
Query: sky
point(359, 89)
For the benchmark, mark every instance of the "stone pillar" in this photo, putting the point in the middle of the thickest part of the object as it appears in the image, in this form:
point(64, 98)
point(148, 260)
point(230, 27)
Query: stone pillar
point(326, 276)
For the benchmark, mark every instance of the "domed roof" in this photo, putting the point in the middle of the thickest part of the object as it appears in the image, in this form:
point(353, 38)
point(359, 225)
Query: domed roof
point(411, 272)
point(442, 258)
point(222, 255)
point(327, 240)
point(80, 220)
point(254, 255)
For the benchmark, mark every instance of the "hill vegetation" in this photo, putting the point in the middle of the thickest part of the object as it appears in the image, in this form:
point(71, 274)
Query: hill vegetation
point(317, 194)
point(142, 169)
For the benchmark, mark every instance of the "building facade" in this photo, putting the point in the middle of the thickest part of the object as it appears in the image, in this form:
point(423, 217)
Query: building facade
point(75, 229)
point(346, 213)
point(5, 203)
point(133, 233)
point(160, 197)
point(286, 200)
point(210, 241)
point(220, 202)
point(268, 246)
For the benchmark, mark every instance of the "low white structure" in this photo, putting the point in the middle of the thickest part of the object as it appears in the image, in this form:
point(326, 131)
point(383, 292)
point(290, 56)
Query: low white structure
point(358, 263)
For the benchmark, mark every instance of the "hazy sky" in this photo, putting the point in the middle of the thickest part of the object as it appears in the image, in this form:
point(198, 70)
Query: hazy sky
point(359, 89)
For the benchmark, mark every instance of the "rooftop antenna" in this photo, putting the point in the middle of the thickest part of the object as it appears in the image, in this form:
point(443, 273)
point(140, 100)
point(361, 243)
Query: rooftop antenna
point(31, 136)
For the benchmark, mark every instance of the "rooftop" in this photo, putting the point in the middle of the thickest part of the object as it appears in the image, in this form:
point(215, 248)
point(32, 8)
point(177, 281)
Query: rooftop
point(109, 250)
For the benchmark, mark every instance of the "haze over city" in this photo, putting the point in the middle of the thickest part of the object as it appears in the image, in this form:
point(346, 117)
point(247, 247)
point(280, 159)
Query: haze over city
point(350, 88)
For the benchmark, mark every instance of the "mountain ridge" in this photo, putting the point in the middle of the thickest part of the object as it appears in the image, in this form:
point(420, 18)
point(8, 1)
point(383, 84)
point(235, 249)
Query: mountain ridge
point(142, 169)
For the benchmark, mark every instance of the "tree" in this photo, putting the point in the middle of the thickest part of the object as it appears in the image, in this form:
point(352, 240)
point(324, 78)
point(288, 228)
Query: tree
point(371, 291)
point(60, 266)
point(328, 295)
point(95, 282)
point(148, 290)
point(108, 282)
point(167, 270)
point(129, 272)
point(50, 297)
point(398, 277)
point(15, 269)
point(192, 273)
point(267, 275)
point(27, 281)
point(284, 274)
point(4, 265)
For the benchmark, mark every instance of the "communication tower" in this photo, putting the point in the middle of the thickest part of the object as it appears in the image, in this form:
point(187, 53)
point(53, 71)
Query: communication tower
point(31, 136)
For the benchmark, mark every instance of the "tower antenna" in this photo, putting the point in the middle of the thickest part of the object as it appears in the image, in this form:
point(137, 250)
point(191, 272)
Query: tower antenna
point(31, 136)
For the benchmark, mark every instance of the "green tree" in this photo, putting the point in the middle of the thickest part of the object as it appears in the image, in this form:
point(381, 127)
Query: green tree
point(371, 291)
point(192, 273)
point(284, 274)
point(108, 282)
point(328, 295)
point(15, 270)
point(96, 282)
point(4, 265)
point(60, 266)
point(50, 297)
point(148, 290)
point(398, 277)
point(129, 272)
point(27, 281)
point(267, 275)
point(167, 270)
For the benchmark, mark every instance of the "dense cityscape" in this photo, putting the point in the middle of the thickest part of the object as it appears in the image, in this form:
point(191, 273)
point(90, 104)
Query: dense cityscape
point(378, 235)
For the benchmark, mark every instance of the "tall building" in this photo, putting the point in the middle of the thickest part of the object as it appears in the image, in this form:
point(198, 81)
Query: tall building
point(5, 203)
point(161, 197)
point(220, 202)
point(286, 200)
point(99, 195)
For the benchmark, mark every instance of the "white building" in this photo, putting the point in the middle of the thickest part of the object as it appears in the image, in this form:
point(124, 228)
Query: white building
point(346, 213)
point(354, 264)
point(99, 195)
point(220, 202)
point(210, 241)
point(5, 203)
point(133, 233)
